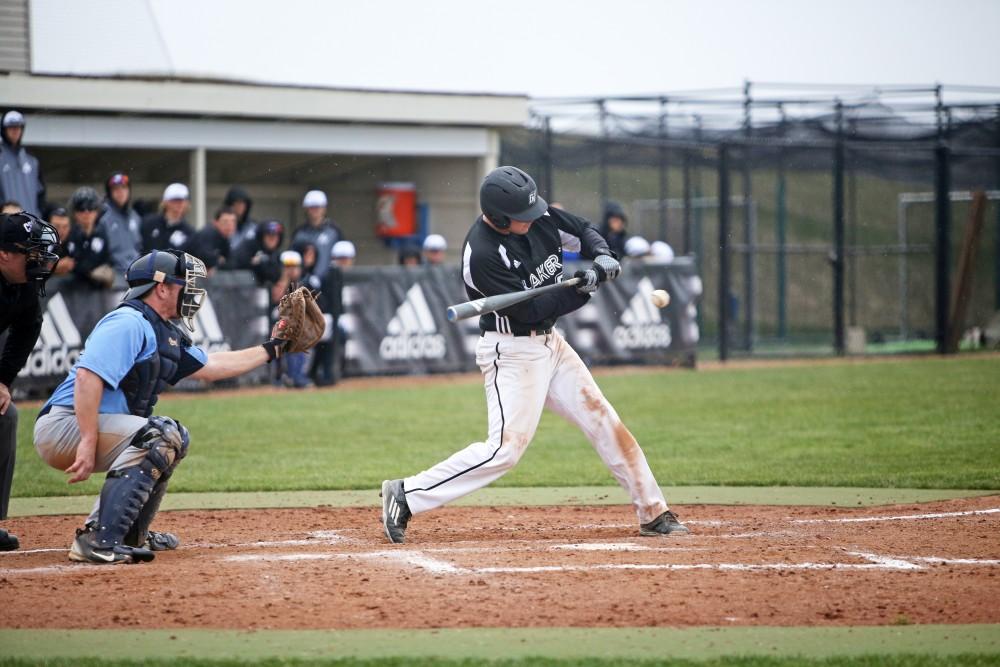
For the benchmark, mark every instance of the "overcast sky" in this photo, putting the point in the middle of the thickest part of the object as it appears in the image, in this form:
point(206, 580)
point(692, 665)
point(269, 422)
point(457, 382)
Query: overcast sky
point(543, 48)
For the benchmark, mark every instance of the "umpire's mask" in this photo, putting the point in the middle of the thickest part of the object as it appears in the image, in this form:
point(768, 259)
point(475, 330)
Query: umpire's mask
point(170, 267)
point(28, 234)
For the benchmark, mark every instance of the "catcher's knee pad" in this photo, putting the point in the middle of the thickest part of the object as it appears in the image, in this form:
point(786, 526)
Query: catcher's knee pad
point(165, 441)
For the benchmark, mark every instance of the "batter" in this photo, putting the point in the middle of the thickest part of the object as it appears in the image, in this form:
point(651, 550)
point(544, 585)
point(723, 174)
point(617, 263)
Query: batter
point(517, 244)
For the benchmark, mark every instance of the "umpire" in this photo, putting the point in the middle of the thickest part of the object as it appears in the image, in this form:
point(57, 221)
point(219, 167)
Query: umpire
point(28, 253)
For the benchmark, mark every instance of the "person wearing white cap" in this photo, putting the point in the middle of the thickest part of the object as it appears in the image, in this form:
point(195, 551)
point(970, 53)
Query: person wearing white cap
point(168, 229)
point(318, 230)
point(343, 254)
point(660, 251)
point(636, 247)
point(291, 367)
point(20, 172)
point(435, 246)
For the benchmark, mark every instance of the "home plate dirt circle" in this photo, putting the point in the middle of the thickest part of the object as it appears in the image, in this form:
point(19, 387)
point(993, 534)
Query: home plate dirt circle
point(522, 567)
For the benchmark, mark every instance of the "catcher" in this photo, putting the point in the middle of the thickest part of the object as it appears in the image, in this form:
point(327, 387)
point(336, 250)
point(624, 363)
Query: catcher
point(101, 417)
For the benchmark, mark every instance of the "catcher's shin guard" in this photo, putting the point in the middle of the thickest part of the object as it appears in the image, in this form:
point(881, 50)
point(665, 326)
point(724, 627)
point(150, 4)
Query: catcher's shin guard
point(139, 532)
point(125, 493)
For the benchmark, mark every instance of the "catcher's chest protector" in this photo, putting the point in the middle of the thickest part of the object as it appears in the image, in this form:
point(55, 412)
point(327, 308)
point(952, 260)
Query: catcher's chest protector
point(147, 378)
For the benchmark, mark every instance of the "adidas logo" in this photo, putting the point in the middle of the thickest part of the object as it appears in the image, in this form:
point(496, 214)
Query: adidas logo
point(641, 324)
point(412, 333)
point(207, 333)
point(58, 344)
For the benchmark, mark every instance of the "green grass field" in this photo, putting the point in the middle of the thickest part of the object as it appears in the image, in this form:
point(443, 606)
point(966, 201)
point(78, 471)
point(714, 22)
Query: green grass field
point(903, 424)
point(929, 423)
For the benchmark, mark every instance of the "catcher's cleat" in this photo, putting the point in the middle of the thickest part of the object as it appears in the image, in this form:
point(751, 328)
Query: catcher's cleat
point(8, 542)
point(665, 524)
point(157, 541)
point(395, 512)
point(84, 551)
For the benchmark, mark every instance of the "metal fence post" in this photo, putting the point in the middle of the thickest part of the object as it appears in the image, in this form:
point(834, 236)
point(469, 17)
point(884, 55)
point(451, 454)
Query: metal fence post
point(549, 158)
point(838, 234)
point(603, 175)
point(942, 244)
point(780, 229)
point(723, 252)
point(664, 169)
point(749, 226)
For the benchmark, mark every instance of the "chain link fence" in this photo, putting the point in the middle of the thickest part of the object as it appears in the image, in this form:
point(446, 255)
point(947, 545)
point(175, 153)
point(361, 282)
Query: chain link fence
point(814, 214)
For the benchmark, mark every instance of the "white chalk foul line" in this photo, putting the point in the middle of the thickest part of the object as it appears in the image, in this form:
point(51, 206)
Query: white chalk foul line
point(902, 517)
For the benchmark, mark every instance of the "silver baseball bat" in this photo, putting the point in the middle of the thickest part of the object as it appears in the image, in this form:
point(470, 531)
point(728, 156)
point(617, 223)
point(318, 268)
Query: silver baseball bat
point(489, 304)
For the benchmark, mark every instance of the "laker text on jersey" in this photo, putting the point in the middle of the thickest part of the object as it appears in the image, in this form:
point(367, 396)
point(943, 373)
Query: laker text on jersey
point(547, 269)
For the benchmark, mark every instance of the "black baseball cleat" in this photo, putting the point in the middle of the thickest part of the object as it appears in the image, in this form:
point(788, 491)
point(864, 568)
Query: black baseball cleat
point(8, 542)
point(157, 541)
point(665, 524)
point(395, 512)
point(85, 551)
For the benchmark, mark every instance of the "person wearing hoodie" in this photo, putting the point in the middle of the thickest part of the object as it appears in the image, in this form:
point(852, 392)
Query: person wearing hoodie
point(20, 172)
point(87, 244)
point(120, 222)
point(240, 202)
point(613, 227)
point(261, 254)
point(210, 244)
point(318, 230)
point(168, 229)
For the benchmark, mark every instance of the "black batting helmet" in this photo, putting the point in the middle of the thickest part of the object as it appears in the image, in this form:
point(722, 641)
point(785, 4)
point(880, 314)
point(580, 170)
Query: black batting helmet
point(507, 193)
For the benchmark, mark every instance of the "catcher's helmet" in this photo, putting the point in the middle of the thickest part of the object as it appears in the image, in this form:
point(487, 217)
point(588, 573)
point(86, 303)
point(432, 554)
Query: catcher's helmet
point(172, 267)
point(507, 193)
point(30, 235)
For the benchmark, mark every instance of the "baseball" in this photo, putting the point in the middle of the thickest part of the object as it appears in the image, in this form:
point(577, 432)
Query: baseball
point(660, 298)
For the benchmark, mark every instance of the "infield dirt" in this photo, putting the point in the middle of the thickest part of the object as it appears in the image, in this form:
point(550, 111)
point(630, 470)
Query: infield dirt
point(523, 567)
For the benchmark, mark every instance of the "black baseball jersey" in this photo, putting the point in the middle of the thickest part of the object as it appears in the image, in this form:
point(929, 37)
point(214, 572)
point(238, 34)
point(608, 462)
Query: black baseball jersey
point(495, 263)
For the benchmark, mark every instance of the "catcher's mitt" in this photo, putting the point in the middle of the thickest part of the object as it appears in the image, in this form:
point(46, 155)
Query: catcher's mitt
point(300, 321)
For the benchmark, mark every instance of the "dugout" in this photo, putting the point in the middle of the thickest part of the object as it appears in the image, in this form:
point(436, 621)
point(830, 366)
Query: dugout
point(275, 141)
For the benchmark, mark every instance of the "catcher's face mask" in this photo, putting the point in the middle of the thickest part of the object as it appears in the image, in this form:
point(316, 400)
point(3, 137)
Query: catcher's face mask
point(192, 294)
point(37, 240)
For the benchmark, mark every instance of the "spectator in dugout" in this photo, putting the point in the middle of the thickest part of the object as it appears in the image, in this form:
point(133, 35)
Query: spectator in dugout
point(239, 201)
point(318, 229)
point(435, 247)
point(343, 255)
point(20, 172)
point(168, 229)
point(210, 244)
point(291, 368)
point(613, 227)
point(59, 219)
point(120, 222)
point(86, 245)
point(261, 254)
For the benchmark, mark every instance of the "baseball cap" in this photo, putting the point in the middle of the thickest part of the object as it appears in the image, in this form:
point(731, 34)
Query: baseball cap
point(291, 258)
point(176, 191)
point(13, 119)
point(117, 178)
point(59, 211)
point(343, 250)
point(273, 227)
point(636, 246)
point(435, 242)
point(314, 198)
point(662, 251)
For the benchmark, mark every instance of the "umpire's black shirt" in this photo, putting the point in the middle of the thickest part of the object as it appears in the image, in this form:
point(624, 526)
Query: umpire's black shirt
point(21, 312)
point(495, 263)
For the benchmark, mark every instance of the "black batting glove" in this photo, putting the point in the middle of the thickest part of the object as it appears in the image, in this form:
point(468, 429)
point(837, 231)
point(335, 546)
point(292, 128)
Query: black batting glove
point(606, 267)
point(588, 281)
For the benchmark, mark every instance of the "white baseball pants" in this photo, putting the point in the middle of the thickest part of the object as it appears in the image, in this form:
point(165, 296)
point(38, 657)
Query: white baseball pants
point(523, 374)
